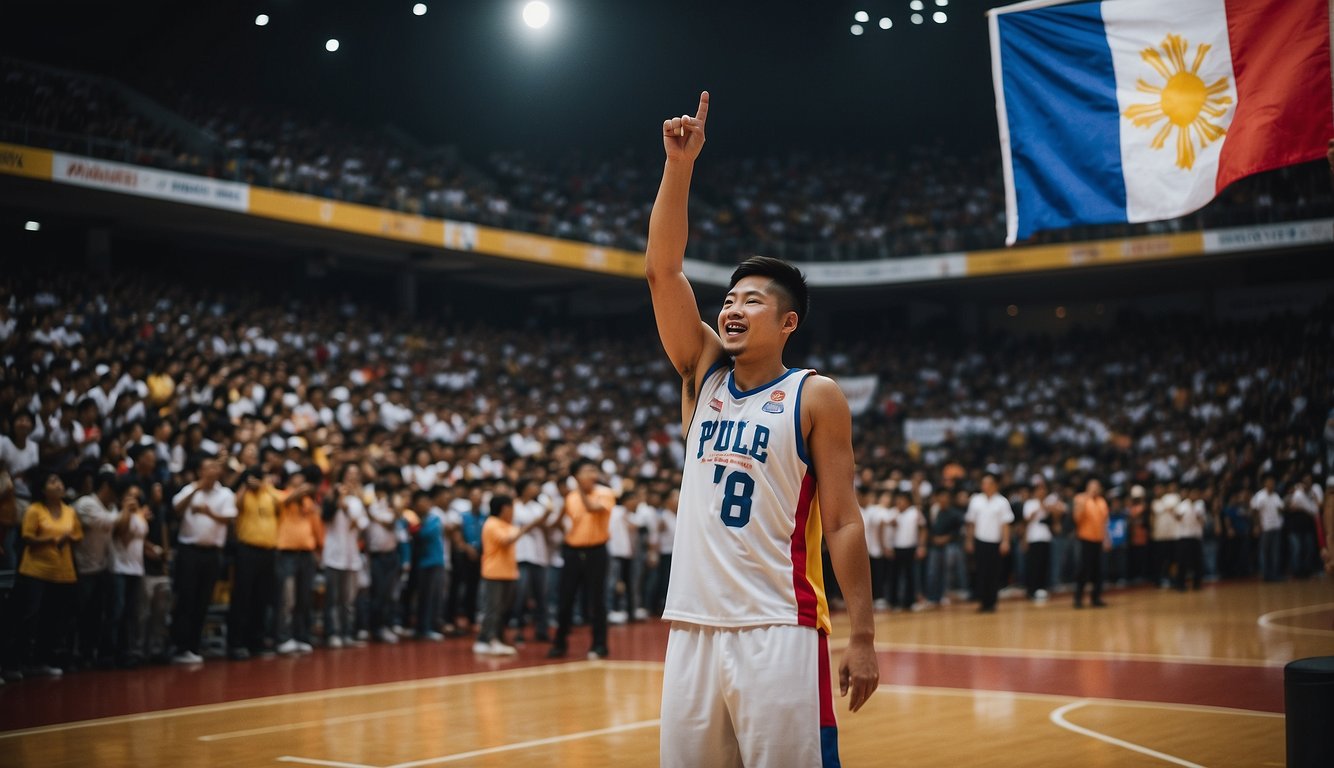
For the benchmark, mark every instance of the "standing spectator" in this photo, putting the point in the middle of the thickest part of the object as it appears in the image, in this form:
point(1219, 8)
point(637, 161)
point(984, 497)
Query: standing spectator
point(429, 562)
point(623, 530)
point(1238, 540)
point(873, 520)
point(206, 508)
point(254, 566)
point(300, 536)
point(1190, 515)
point(1037, 534)
point(909, 544)
point(587, 520)
point(467, 560)
point(42, 604)
point(1269, 506)
point(1091, 528)
point(342, 557)
point(156, 600)
point(382, 547)
point(127, 567)
point(664, 542)
point(18, 455)
point(500, 571)
point(1137, 509)
point(1302, 508)
point(1118, 540)
point(945, 562)
point(98, 515)
point(988, 539)
point(530, 604)
point(1064, 549)
point(1164, 532)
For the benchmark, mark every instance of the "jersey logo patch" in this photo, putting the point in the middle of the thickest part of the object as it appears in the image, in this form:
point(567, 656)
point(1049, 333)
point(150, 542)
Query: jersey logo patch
point(772, 407)
point(716, 404)
point(778, 396)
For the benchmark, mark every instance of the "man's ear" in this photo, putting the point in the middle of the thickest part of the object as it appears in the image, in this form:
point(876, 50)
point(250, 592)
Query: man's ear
point(790, 321)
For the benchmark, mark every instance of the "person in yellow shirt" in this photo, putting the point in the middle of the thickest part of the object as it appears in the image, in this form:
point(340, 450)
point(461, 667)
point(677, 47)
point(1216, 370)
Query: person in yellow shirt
point(1091, 529)
point(500, 573)
point(588, 526)
point(255, 574)
point(42, 605)
point(300, 536)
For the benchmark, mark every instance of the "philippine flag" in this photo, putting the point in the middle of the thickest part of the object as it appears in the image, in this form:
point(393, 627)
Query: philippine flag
point(1138, 110)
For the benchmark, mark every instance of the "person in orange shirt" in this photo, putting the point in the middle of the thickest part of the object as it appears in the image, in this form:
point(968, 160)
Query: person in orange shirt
point(1091, 529)
point(588, 526)
point(42, 604)
point(300, 536)
point(500, 573)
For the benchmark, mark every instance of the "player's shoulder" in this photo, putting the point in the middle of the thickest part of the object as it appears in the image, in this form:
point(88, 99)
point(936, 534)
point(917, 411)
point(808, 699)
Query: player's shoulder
point(821, 390)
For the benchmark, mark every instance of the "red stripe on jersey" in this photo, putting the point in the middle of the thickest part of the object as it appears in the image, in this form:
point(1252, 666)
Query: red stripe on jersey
point(801, 585)
point(827, 717)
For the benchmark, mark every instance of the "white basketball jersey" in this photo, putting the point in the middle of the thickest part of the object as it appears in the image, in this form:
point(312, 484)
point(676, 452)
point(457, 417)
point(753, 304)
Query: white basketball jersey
point(748, 530)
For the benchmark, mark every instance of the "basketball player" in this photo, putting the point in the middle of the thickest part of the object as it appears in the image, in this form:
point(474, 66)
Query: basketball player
point(747, 672)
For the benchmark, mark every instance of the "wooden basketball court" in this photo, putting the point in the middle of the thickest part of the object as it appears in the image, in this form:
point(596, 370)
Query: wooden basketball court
point(1158, 678)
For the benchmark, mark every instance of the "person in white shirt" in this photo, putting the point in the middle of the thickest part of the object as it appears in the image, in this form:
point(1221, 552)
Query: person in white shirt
point(382, 547)
point(342, 558)
point(988, 539)
point(873, 519)
point(98, 515)
point(1164, 531)
point(127, 568)
point(206, 508)
point(909, 544)
point(1190, 513)
point(1303, 507)
point(1037, 535)
point(1268, 505)
point(18, 455)
point(533, 555)
point(662, 541)
point(623, 534)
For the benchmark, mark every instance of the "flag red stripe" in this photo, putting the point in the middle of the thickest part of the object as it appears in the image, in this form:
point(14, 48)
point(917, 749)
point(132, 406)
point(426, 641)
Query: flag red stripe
point(801, 585)
point(1285, 114)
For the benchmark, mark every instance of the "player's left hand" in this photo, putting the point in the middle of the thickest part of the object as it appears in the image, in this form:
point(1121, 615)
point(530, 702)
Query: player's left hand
point(859, 673)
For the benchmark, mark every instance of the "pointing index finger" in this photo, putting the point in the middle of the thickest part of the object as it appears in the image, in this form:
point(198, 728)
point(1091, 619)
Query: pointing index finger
point(702, 113)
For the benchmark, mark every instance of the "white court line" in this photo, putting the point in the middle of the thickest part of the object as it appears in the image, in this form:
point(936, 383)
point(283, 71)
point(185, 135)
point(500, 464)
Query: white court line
point(1267, 620)
point(1052, 697)
point(1029, 653)
point(286, 698)
point(529, 744)
point(326, 763)
point(1058, 718)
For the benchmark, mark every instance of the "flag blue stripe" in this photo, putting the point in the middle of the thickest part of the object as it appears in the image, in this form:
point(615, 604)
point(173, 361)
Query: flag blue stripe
point(1064, 123)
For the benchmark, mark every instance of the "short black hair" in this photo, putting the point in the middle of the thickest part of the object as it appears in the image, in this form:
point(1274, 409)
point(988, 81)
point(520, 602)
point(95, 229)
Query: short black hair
point(499, 502)
point(580, 463)
point(789, 280)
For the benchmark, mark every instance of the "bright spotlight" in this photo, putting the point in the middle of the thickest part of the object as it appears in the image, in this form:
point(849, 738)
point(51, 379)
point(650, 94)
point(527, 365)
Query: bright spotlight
point(939, 17)
point(942, 3)
point(419, 9)
point(885, 22)
point(33, 226)
point(916, 18)
point(331, 45)
point(857, 29)
point(536, 14)
point(862, 16)
point(916, 5)
point(262, 20)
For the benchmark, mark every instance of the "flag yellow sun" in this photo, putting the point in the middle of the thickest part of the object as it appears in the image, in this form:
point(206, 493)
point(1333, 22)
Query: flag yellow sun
point(1184, 100)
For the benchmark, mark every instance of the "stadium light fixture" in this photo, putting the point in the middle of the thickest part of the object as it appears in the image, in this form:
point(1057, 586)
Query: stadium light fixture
point(942, 3)
point(886, 22)
point(939, 17)
point(857, 29)
point(861, 17)
point(33, 226)
point(1012, 310)
point(536, 14)
point(1060, 313)
point(419, 9)
point(916, 5)
point(331, 44)
point(262, 20)
point(916, 18)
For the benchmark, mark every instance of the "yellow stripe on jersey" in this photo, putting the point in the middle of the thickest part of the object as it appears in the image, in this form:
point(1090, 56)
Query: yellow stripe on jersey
point(815, 566)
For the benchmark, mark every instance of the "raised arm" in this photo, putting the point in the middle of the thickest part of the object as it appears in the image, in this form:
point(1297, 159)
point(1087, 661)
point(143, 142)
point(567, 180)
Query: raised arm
point(691, 344)
point(830, 424)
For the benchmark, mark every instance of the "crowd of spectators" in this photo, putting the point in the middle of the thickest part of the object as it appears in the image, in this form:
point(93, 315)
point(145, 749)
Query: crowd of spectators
point(837, 205)
point(159, 439)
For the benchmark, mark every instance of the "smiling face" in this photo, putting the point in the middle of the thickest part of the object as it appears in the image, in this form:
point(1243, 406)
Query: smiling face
point(756, 318)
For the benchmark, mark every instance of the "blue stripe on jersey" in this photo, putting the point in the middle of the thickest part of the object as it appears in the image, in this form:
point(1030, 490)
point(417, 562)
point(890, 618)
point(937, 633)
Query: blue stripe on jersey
point(829, 747)
point(796, 414)
point(738, 394)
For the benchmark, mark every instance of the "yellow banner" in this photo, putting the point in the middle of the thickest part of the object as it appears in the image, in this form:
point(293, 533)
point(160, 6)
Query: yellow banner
point(1035, 258)
point(347, 217)
point(25, 161)
point(557, 252)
